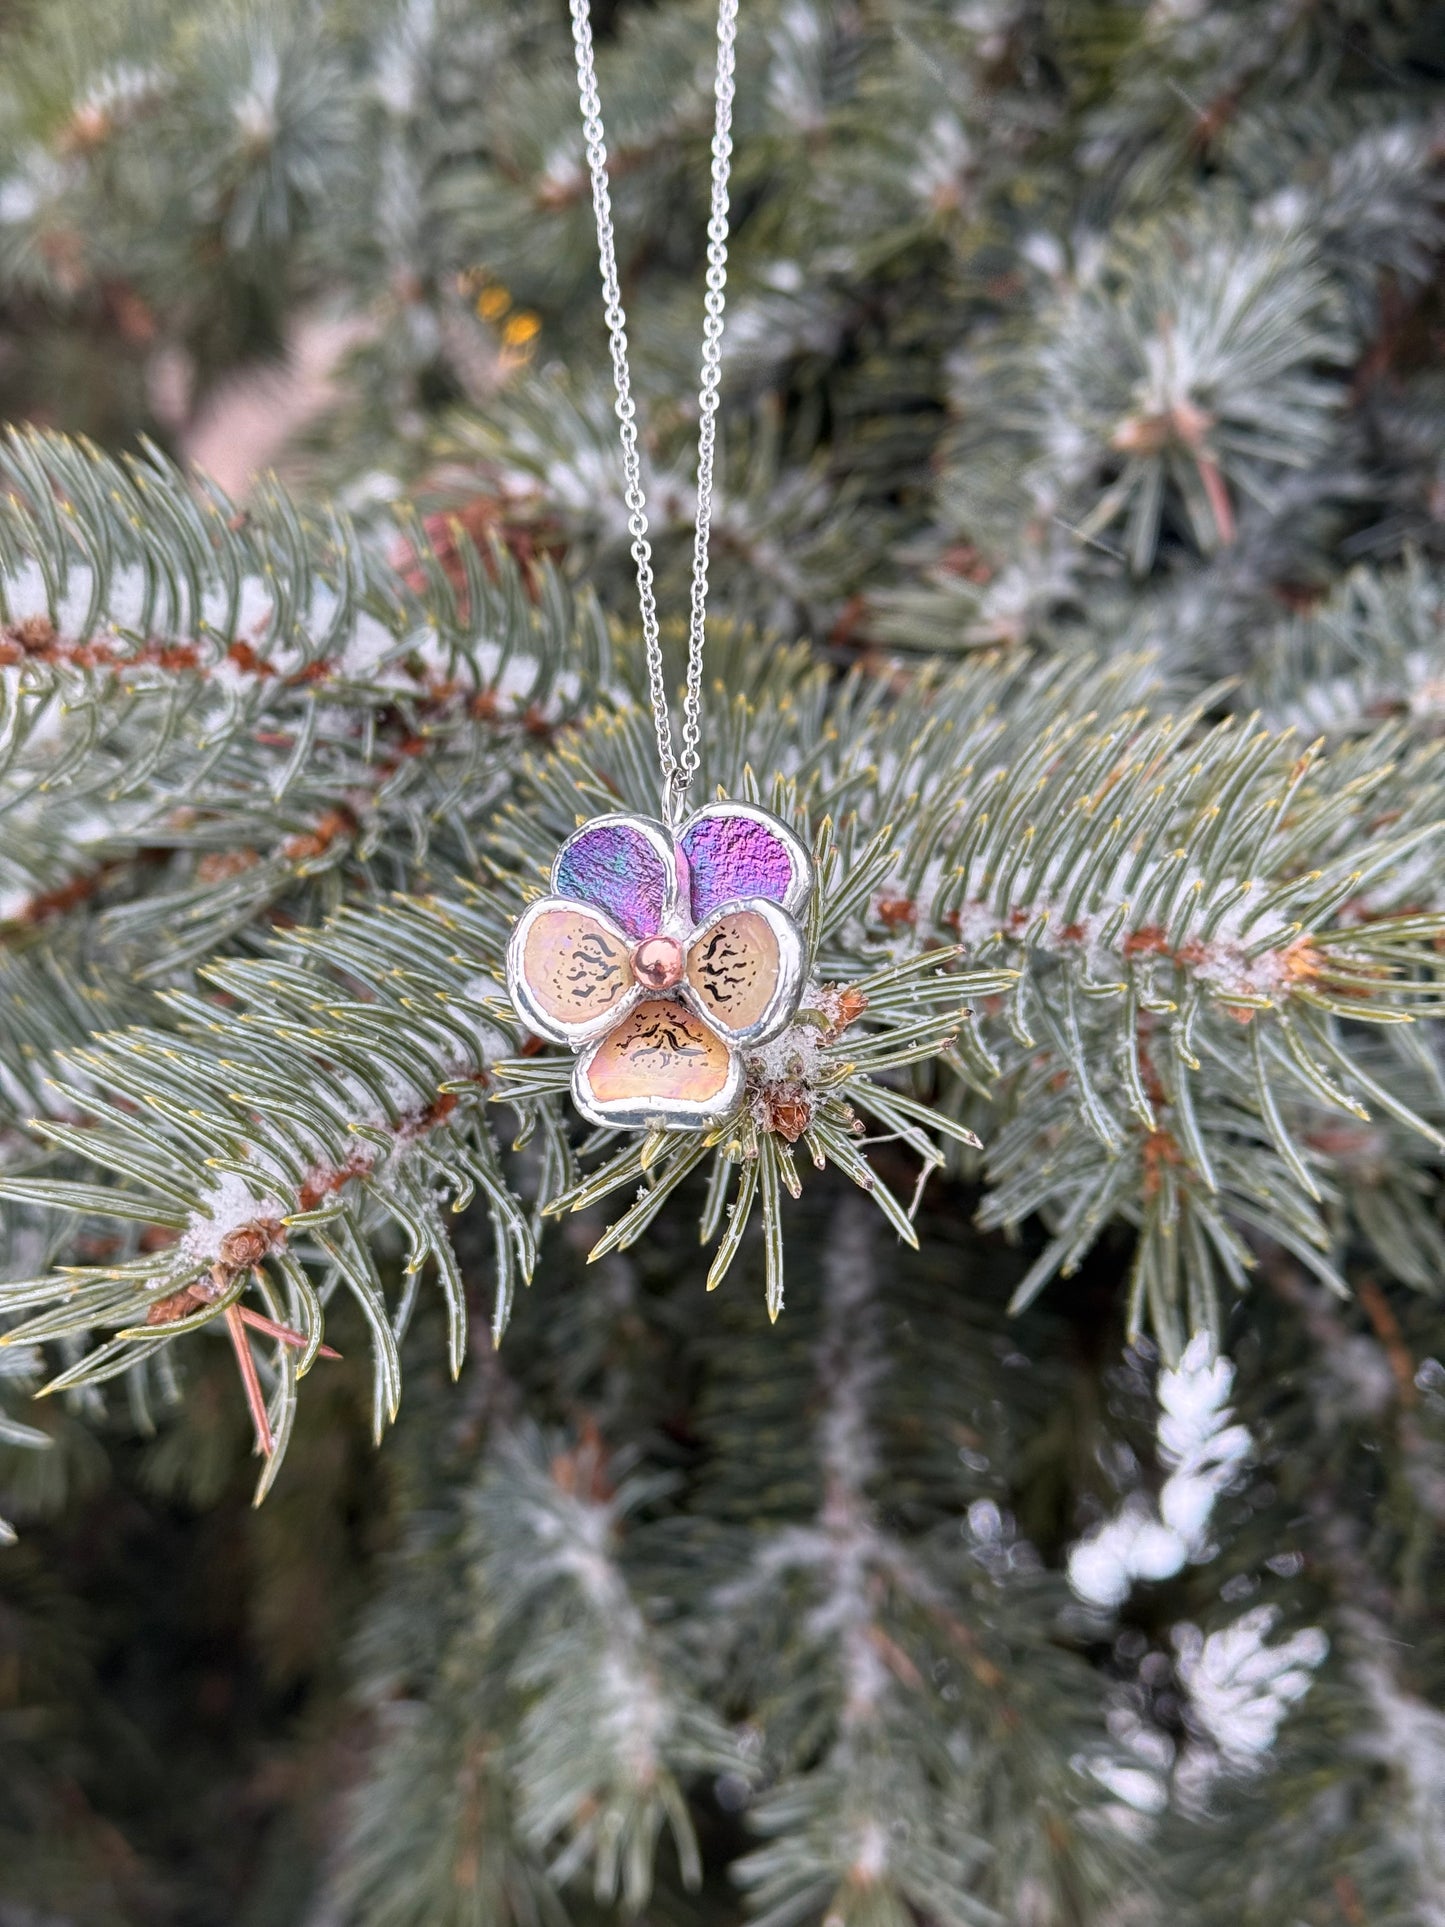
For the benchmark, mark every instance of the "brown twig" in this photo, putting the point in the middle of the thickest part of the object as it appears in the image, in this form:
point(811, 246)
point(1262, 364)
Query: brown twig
point(251, 1381)
point(1381, 1315)
point(286, 1334)
point(1219, 502)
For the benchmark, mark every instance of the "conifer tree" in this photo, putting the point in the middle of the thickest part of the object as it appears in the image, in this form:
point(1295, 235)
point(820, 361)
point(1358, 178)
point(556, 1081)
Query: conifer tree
point(999, 1477)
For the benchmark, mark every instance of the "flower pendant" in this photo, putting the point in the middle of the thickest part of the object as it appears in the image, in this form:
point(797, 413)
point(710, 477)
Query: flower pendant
point(659, 957)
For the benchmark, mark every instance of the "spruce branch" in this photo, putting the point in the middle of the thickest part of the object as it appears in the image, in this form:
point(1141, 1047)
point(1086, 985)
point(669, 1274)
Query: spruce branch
point(858, 1637)
point(1190, 983)
point(1375, 650)
point(1179, 379)
point(252, 1176)
point(557, 1721)
point(1166, 1011)
point(1091, 350)
point(609, 1724)
point(19, 1371)
point(264, 698)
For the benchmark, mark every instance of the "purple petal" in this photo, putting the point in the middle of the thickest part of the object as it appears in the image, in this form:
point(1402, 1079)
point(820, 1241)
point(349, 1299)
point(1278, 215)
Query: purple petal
point(617, 865)
point(731, 851)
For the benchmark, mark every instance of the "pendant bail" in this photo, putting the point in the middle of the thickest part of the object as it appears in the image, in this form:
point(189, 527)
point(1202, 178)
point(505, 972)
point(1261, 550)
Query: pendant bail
point(674, 795)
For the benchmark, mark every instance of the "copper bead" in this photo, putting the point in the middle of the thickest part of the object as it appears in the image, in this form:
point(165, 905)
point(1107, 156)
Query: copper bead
point(659, 962)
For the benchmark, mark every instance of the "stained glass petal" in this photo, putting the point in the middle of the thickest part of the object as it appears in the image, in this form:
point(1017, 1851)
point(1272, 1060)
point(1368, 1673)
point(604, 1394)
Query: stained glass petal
point(570, 972)
point(745, 970)
point(733, 850)
point(660, 1065)
point(623, 865)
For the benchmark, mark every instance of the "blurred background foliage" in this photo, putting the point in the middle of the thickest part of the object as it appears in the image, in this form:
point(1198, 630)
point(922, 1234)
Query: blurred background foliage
point(1083, 430)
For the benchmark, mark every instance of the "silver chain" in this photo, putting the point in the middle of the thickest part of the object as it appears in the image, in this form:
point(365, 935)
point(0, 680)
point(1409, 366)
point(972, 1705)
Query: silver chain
point(677, 771)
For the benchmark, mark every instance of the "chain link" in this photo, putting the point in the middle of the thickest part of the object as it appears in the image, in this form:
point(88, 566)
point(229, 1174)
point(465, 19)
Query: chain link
point(677, 770)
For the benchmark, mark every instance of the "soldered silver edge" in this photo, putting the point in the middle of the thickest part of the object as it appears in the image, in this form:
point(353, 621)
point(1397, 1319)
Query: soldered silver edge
point(542, 1022)
point(792, 969)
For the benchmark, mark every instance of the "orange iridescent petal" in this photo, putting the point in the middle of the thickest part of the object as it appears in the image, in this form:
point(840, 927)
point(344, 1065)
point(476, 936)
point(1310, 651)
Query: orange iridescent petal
point(660, 1050)
point(733, 968)
point(575, 967)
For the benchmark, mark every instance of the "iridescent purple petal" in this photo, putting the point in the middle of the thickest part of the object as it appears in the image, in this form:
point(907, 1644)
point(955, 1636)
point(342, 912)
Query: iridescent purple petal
point(616, 867)
point(730, 854)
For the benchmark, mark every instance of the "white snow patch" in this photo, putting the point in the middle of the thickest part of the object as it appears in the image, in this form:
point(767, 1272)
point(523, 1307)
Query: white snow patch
point(795, 1055)
point(870, 1856)
point(1132, 1545)
point(1240, 1687)
point(1197, 1440)
point(491, 1044)
point(481, 990)
point(230, 1204)
point(1227, 966)
point(563, 175)
point(1136, 1786)
point(634, 1717)
point(1427, 698)
point(121, 87)
point(39, 178)
point(946, 158)
point(1410, 1742)
point(1205, 1453)
point(408, 1097)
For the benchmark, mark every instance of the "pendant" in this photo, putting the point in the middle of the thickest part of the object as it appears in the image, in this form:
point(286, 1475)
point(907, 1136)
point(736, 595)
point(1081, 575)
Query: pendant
point(660, 957)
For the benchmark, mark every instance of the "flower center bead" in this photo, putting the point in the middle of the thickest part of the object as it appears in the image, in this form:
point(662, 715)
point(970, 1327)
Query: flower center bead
point(659, 962)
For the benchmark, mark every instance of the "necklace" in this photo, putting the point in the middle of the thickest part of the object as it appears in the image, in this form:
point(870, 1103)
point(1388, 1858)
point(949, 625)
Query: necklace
point(665, 948)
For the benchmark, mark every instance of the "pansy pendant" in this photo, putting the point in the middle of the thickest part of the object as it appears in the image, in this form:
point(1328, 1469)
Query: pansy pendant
point(658, 957)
